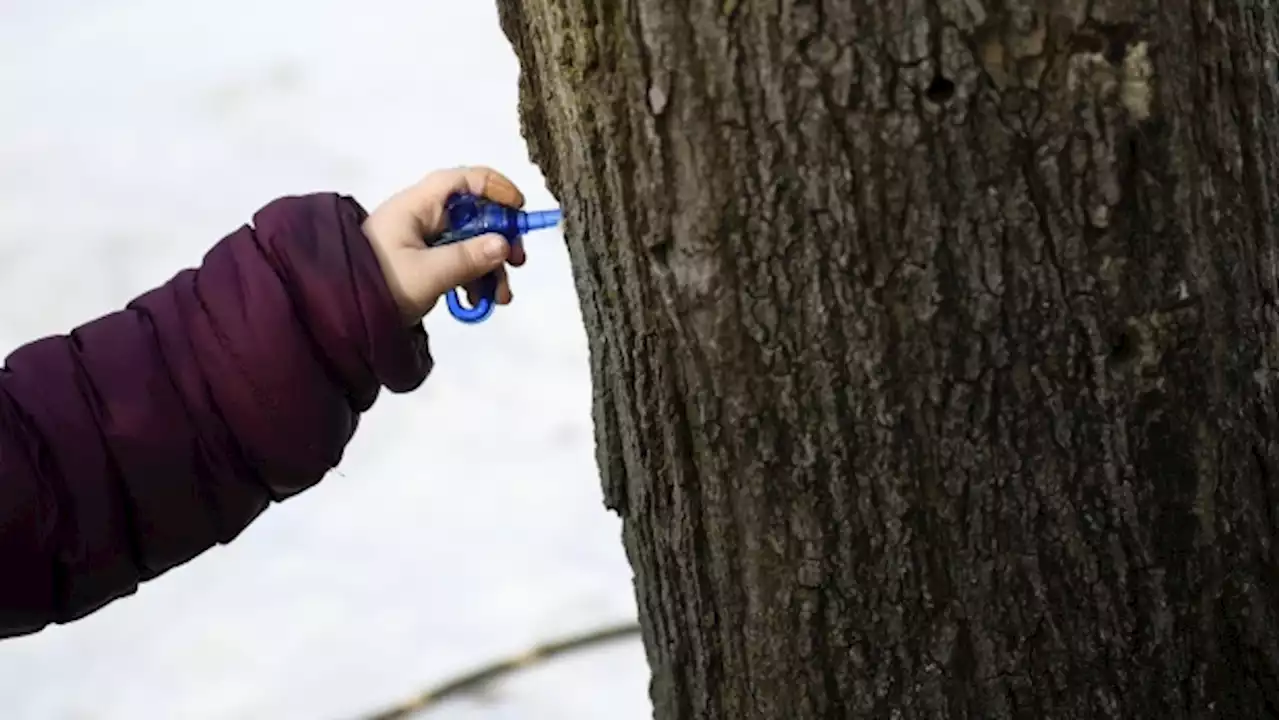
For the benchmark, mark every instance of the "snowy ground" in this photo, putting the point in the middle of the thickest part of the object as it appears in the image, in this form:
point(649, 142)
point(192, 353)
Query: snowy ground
point(133, 135)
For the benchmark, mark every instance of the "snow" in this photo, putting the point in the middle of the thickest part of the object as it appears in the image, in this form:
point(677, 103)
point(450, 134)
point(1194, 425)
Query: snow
point(466, 522)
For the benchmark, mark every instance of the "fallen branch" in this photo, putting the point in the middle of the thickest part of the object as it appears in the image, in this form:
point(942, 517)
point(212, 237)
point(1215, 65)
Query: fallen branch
point(492, 671)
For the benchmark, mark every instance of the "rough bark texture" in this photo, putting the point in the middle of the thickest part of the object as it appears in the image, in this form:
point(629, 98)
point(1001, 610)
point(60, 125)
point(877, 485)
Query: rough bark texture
point(933, 344)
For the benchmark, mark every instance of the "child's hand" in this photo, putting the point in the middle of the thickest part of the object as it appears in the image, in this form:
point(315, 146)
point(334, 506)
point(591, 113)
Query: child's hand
point(418, 275)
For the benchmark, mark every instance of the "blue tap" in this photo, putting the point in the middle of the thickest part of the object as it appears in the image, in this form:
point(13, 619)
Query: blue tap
point(468, 216)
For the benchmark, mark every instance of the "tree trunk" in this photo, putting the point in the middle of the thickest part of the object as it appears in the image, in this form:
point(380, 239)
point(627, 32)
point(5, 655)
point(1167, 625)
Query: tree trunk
point(933, 344)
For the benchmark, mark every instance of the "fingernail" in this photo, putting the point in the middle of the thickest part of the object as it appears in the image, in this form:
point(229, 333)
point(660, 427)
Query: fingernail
point(495, 248)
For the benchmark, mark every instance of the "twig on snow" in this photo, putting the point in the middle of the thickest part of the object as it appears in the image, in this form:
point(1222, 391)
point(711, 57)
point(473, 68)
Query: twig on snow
point(484, 674)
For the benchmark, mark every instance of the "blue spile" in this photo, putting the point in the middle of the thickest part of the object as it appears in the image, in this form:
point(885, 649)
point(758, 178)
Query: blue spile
point(468, 216)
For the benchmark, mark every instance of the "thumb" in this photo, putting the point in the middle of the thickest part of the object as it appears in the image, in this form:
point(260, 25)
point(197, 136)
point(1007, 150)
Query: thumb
point(457, 264)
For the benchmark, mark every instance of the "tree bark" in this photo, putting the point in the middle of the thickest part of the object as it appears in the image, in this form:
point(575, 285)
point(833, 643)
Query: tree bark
point(933, 345)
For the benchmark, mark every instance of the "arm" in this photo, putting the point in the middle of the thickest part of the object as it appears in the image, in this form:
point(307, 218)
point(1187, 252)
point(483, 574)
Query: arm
point(139, 440)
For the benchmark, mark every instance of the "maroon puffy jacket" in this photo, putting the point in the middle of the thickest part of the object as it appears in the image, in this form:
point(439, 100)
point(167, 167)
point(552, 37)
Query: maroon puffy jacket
point(139, 440)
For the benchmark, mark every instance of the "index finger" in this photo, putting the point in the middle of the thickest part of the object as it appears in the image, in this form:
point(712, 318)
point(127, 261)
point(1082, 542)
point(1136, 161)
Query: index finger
point(431, 194)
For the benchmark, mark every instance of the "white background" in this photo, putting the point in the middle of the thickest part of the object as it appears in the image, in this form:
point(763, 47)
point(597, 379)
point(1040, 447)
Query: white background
point(466, 521)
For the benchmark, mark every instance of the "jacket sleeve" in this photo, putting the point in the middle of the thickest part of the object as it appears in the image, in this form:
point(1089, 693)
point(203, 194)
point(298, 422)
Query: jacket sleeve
point(139, 440)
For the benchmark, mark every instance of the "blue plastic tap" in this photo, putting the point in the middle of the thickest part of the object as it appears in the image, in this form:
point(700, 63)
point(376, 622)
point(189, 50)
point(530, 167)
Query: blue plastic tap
point(469, 216)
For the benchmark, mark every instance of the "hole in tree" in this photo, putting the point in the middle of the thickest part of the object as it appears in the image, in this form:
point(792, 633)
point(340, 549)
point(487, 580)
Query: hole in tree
point(1118, 37)
point(1116, 49)
point(940, 89)
point(659, 252)
point(1123, 346)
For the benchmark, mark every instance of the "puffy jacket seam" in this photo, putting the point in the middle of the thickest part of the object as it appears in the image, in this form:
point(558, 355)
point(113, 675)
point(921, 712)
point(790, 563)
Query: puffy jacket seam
point(56, 481)
point(88, 392)
point(298, 307)
point(237, 446)
point(208, 499)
